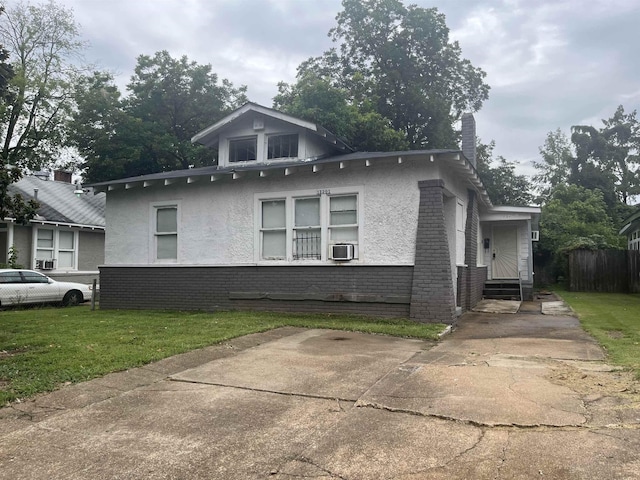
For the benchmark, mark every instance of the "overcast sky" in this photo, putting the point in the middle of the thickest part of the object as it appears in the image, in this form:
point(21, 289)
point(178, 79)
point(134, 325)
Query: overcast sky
point(550, 63)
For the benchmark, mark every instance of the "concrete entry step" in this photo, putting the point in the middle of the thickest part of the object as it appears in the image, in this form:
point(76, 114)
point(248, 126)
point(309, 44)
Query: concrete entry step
point(502, 290)
point(497, 306)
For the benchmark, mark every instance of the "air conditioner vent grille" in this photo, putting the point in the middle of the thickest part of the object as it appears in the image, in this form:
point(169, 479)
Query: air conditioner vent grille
point(342, 252)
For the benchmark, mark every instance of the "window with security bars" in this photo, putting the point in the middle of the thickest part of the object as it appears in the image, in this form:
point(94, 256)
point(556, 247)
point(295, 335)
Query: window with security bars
point(305, 227)
point(307, 245)
point(307, 238)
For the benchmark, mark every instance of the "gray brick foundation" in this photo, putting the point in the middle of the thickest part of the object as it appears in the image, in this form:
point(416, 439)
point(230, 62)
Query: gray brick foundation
point(368, 290)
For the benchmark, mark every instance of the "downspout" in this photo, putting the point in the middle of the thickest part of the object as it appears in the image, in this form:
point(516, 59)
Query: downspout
point(9, 238)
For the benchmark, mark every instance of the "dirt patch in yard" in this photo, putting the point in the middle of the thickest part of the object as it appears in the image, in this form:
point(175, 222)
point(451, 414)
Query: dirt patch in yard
point(616, 334)
point(585, 381)
point(546, 296)
point(10, 353)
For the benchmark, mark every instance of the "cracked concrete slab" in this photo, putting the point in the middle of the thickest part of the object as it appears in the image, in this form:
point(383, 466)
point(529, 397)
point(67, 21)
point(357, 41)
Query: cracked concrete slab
point(373, 444)
point(556, 307)
point(503, 396)
point(497, 306)
point(170, 430)
point(317, 363)
point(480, 395)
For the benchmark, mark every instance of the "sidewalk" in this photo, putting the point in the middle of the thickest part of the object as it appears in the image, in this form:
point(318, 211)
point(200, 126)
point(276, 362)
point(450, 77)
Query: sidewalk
point(505, 396)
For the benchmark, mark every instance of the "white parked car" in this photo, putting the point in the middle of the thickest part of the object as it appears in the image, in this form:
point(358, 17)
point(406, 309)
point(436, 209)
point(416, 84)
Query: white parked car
point(18, 287)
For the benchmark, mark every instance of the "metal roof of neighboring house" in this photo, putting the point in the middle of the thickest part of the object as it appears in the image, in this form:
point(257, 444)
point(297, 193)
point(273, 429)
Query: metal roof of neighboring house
point(631, 223)
point(59, 204)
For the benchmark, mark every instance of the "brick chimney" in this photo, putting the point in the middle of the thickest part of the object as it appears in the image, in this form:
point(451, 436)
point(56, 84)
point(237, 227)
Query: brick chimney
point(62, 176)
point(469, 138)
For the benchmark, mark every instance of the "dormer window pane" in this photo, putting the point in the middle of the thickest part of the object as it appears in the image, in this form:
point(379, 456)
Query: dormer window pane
point(283, 146)
point(242, 149)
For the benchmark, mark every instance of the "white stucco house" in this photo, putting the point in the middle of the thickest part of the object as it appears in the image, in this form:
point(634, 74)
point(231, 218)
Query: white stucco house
point(292, 219)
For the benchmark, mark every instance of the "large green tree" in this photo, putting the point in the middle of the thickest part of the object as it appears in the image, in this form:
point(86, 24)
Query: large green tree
point(621, 135)
point(44, 45)
point(574, 217)
point(110, 141)
point(316, 99)
point(574, 212)
point(503, 184)
point(11, 206)
point(602, 159)
point(557, 162)
point(149, 130)
point(399, 62)
point(605, 158)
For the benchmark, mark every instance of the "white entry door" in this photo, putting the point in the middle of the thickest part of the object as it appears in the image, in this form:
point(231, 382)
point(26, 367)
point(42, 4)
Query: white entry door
point(505, 253)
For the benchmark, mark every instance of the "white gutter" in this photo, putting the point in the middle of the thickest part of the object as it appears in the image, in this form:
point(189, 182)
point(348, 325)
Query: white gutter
point(62, 224)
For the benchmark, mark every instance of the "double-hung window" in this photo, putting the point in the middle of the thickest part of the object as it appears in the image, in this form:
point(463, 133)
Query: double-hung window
point(166, 232)
point(307, 231)
point(57, 248)
point(66, 249)
point(303, 226)
point(273, 231)
point(45, 250)
point(343, 218)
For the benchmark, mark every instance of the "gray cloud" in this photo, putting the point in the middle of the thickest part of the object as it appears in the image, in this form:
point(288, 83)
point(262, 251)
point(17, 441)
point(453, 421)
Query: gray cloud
point(550, 63)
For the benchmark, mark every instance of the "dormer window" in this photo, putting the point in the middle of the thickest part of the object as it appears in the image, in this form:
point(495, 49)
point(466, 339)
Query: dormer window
point(282, 146)
point(243, 149)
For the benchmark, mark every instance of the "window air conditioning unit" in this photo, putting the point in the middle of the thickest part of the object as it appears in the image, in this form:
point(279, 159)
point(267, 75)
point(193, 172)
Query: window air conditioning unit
point(45, 264)
point(342, 252)
point(535, 235)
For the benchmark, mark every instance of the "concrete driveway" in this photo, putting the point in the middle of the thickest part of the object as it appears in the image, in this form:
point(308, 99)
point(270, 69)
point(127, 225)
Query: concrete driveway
point(504, 396)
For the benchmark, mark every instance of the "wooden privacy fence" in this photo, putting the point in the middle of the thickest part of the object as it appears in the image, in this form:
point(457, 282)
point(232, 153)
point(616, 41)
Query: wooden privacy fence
point(604, 271)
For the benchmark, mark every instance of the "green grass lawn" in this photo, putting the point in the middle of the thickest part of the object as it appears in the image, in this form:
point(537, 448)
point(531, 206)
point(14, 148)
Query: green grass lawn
point(614, 320)
point(43, 348)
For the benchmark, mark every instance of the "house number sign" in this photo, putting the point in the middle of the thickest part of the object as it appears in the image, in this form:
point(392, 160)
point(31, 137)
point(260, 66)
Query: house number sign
point(324, 191)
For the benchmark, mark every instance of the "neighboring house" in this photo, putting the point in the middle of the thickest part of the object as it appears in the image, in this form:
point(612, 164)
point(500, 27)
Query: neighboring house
point(291, 219)
point(631, 230)
point(65, 240)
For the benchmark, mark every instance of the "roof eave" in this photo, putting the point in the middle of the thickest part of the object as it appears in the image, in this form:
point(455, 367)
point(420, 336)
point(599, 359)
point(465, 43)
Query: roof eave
point(201, 136)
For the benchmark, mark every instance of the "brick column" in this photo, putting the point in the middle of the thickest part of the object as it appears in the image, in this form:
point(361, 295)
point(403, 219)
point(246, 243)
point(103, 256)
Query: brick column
point(474, 282)
point(432, 294)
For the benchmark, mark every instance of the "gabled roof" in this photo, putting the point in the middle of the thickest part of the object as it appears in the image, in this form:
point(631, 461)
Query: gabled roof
point(59, 205)
point(209, 136)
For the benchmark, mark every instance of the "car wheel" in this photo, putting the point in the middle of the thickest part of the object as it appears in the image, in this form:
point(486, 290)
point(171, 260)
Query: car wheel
point(72, 298)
